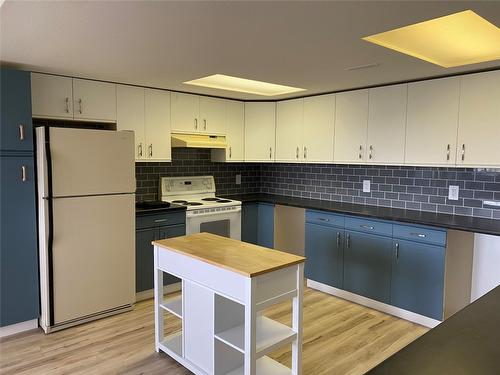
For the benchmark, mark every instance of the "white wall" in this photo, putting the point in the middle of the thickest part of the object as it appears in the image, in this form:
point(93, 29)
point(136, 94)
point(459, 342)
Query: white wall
point(486, 265)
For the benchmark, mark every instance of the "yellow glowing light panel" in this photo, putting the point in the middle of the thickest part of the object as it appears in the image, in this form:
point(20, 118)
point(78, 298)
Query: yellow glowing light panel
point(223, 82)
point(457, 39)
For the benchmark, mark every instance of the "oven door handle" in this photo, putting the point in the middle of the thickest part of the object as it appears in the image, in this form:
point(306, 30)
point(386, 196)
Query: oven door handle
point(212, 213)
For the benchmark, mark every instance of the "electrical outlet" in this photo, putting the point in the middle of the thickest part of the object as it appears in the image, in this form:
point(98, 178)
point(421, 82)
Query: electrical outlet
point(238, 179)
point(366, 186)
point(453, 193)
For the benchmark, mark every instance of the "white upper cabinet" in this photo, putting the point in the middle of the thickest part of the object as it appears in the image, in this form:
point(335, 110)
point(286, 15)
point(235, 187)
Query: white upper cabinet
point(479, 120)
point(130, 115)
point(51, 96)
point(157, 125)
point(318, 129)
point(213, 115)
point(235, 134)
point(260, 131)
point(289, 124)
point(351, 121)
point(386, 125)
point(432, 120)
point(198, 114)
point(94, 100)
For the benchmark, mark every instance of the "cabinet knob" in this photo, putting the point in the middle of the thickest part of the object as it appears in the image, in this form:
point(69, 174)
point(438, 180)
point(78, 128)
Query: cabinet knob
point(338, 239)
point(448, 152)
point(67, 105)
point(463, 151)
point(270, 153)
point(297, 152)
point(230, 152)
point(21, 132)
point(151, 150)
point(139, 149)
point(204, 124)
point(305, 152)
point(360, 154)
point(24, 177)
point(348, 241)
point(196, 123)
point(397, 251)
point(371, 151)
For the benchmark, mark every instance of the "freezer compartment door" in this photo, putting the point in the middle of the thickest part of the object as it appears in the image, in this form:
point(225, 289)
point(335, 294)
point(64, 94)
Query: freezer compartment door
point(88, 162)
point(93, 255)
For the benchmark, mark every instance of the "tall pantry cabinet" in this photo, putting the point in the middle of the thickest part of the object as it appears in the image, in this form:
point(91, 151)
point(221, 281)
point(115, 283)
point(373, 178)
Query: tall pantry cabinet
point(19, 299)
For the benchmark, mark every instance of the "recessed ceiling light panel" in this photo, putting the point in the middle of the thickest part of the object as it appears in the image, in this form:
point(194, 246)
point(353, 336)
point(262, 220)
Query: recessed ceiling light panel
point(223, 82)
point(457, 39)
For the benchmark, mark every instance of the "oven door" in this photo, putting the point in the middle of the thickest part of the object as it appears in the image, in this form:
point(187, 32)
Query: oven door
point(227, 224)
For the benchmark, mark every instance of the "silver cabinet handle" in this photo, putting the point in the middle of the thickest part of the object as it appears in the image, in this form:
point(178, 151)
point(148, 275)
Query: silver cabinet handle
point(67, 105)
point(463, 151)
point(160, 220)
point(21, 132)
point(196, 123)
point(371, 227)
point(151, 150)
point(338, 239)
point(23, 174)
point(204, 124)
point(80, 110)
point(139, 149)
point(360, 154)
point(348, 241)
point(305, 152)
point(448, 152)
point(397, 251)
point(230, 152)
point(421, 235)
point(270, 153)
point(323, 219)
point(297, 153)
point(371, 151)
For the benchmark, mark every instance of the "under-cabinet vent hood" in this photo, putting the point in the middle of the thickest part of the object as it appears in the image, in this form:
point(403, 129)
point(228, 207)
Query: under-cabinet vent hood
point(198, 140)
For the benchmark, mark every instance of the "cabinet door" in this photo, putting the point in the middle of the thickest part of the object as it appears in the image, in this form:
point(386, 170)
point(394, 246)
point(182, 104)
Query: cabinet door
point(16, 130)
point(169, 232)
point(185, 113)
point(157, 125)
point(260, 131)
point(367, 265)
point(418, 278)
point(130, 115)
point(51, 96)
point(18, 247)
point(479, 120)
point(265, 225)
point(213, 115)
point(351, 121)
point(324, 254)
point(431, 129)
point(387, 124)
point(235, 131)
point(289, 121)
point(94, 100)
point(249, 219)
point(318, 129)
point(144, 258)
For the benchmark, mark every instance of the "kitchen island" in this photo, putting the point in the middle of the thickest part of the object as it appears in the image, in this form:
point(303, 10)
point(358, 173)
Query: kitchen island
point(225, 285)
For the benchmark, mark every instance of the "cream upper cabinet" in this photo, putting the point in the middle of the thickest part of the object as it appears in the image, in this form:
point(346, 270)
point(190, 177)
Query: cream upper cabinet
point(432, 120)
point(157, 125)
point(351, 121)
point(260, 131)
point(185, 112)
point(235, 131)
point(94, 100)
point(479, 120)
point(318, 129)
point(386, 125)
point(51, 96)
point(289, 123)
point(212, 115)
point(130, 115)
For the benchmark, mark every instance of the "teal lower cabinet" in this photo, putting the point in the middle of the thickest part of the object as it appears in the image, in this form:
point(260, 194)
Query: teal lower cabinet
point(257, 224)
point(367, 265)
point(151, 227)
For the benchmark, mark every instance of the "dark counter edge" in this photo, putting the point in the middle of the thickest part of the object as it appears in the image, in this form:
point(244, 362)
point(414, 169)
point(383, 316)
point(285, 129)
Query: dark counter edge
point(154, 211)
point(463, 223)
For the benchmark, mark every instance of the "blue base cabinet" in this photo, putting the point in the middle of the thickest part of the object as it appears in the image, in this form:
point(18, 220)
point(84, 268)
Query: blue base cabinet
point(151, 227)
point(257, 224)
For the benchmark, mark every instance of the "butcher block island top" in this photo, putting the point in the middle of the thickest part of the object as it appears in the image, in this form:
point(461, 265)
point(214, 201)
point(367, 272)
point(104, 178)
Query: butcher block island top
point(241, 257)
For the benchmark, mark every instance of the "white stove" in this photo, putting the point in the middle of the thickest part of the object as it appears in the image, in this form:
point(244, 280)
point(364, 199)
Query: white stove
point(205, 212)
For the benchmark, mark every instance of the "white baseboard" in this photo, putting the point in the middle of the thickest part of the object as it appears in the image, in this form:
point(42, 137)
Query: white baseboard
point(148, 294)
point(18, 328)
point(396, 311)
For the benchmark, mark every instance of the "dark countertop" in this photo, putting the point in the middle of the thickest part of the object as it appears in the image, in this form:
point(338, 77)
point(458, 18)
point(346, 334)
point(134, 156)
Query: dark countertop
point(465, 223)
point(150, 211)
point(466, 343)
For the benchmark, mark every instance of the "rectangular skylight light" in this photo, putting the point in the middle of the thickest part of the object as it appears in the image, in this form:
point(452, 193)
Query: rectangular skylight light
point(223, 82)
point(457, 39)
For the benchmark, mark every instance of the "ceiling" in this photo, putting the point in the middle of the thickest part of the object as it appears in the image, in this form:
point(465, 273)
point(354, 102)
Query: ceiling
point(307, 44)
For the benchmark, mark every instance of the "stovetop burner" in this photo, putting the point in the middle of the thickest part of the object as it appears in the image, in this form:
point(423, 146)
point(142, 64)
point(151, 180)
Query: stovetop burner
point(223, 201)
point(179, 201)
point(193, 204)
point(211, 199)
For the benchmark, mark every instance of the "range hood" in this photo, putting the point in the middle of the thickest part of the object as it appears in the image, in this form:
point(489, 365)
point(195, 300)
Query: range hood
point(198, 140)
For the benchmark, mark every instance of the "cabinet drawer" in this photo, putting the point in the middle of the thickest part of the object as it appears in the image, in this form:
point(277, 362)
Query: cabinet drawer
point(369, 226)
point(156, 220)
point(419, 234)
point(325, 218)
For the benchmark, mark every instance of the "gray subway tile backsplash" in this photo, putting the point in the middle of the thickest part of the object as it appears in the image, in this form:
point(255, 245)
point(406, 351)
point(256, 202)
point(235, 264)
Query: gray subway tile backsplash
point(416, 188)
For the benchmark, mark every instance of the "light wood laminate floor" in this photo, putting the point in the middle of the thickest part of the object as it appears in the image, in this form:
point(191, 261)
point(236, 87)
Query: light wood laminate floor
point(340, 337)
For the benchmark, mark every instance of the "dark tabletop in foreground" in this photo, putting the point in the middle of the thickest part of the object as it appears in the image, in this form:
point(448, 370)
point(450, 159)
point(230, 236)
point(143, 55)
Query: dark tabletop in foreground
point(465, 223)
point(468, 343)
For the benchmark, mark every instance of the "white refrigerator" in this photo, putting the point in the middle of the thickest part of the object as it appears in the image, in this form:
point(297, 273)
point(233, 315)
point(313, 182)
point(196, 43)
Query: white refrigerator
point(86, 224)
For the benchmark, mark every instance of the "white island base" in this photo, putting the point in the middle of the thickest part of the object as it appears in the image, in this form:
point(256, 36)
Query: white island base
point(222, 329)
